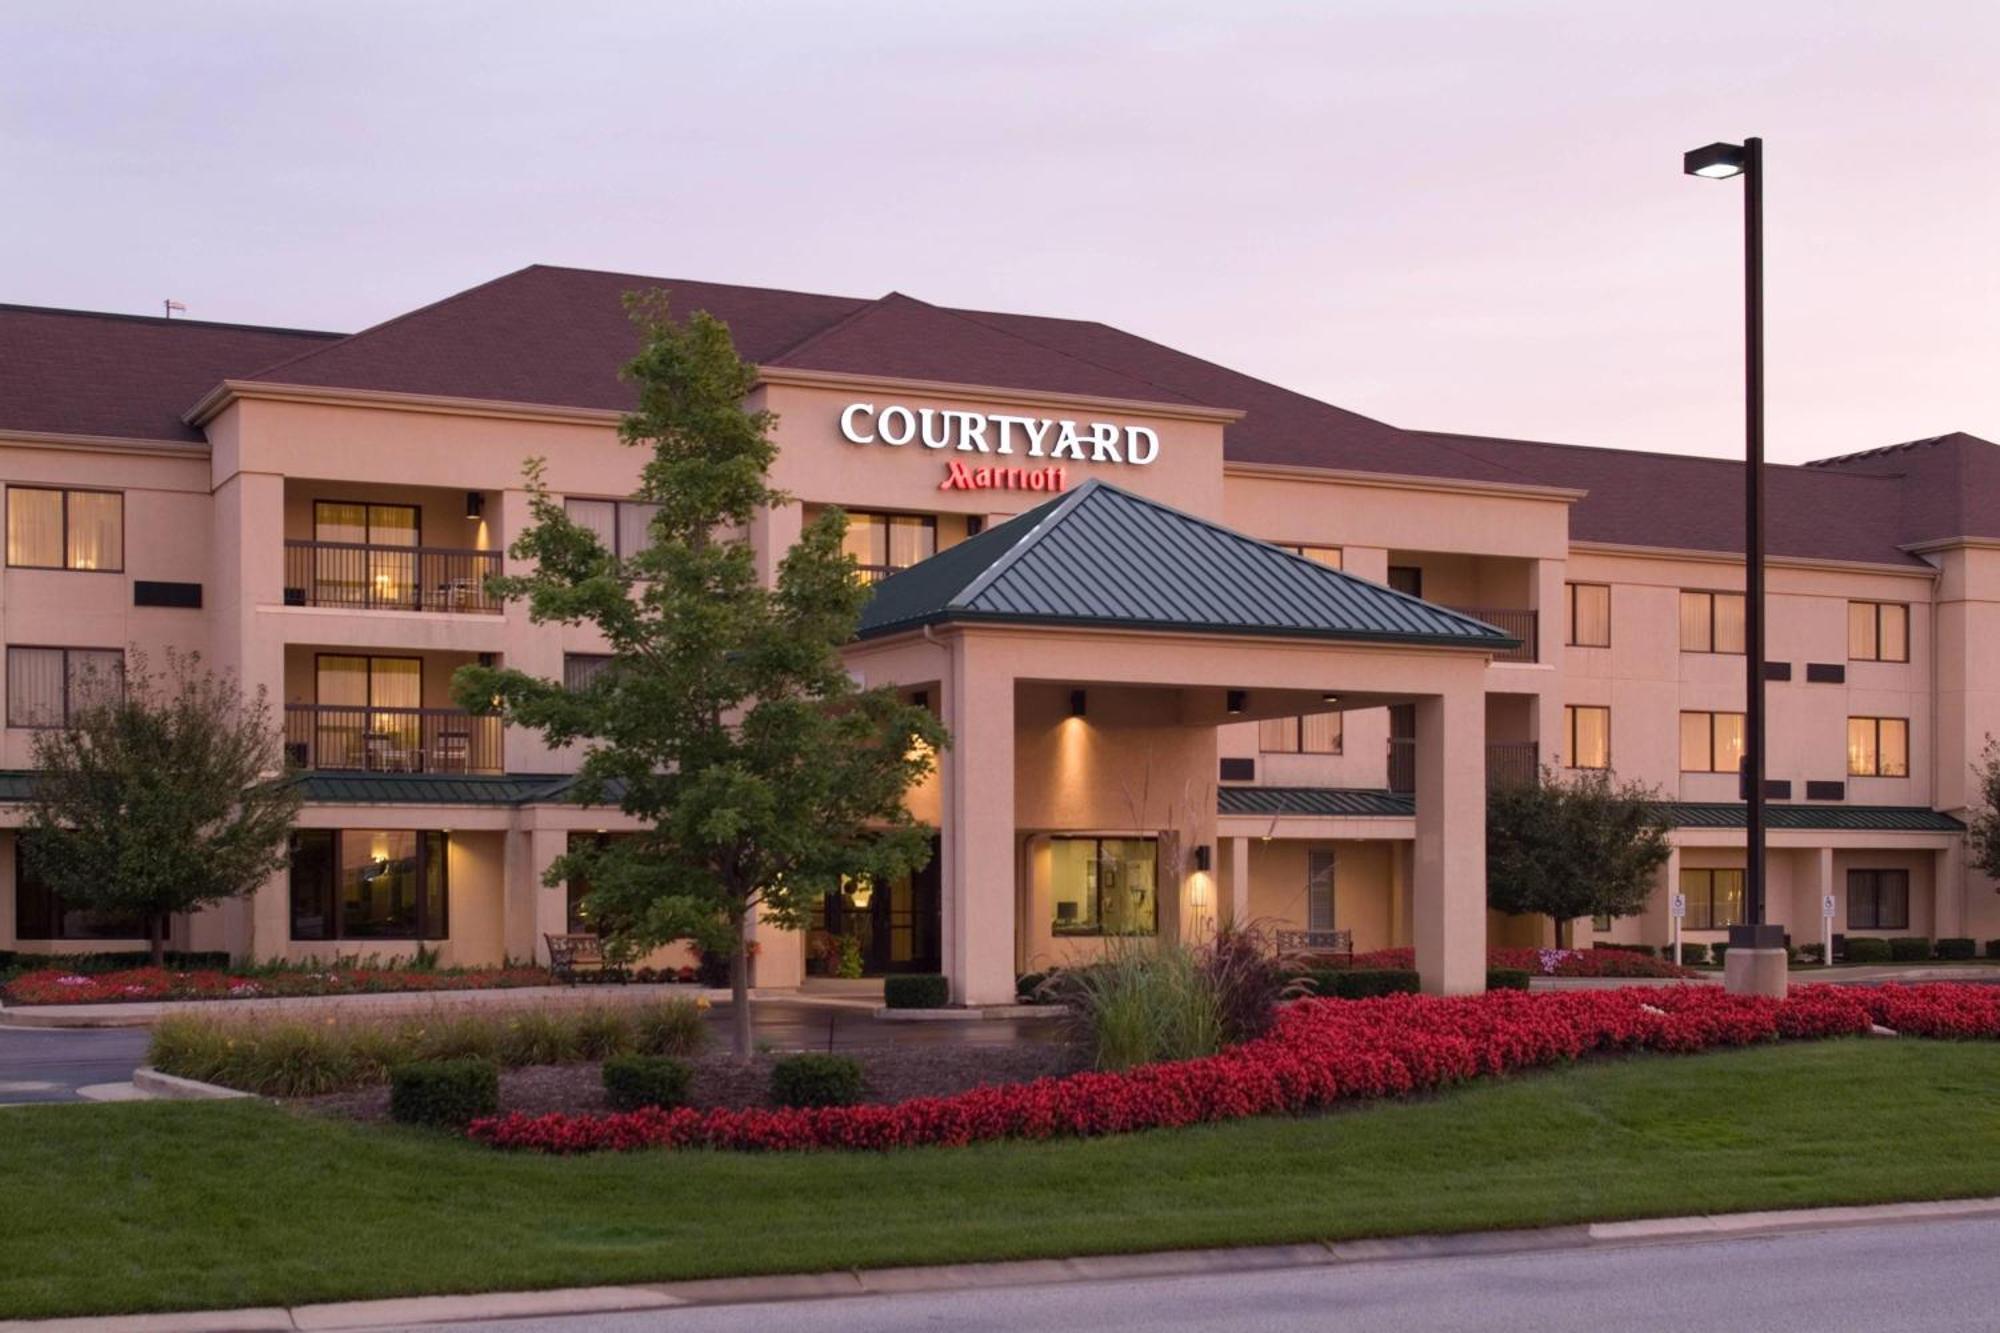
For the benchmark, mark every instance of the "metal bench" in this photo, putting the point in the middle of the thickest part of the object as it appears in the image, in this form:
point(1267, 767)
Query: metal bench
point(573, 955)
point(1291, 943)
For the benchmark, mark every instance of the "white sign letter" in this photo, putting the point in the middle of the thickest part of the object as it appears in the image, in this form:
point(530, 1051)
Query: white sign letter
point(909, 420)
point(847, 415)
point(1134, 437)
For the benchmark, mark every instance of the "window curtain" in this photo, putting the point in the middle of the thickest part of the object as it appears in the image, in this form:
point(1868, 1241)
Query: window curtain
point(1320, 733)
point(92, 676)
point(635, 526)
point(34, 527)
point(96, 530)
point(599, 516)
point(1319, 890)
point(35, 683)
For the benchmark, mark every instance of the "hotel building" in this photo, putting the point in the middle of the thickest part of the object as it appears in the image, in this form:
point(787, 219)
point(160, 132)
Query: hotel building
point(1250, 657)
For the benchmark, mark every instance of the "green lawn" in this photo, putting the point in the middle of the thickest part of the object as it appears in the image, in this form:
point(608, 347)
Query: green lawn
point(190, 1205)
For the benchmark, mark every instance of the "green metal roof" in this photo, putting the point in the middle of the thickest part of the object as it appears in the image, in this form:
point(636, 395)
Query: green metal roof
point(1860, 818)
point(1352, 802)
point(323, 787)
point(1103, 556)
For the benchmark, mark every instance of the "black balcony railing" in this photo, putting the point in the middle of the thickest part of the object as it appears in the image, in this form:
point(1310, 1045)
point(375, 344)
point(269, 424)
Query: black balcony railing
point(1507, 763)
point(1522, 625)
point(392, 740)
point(359, 577)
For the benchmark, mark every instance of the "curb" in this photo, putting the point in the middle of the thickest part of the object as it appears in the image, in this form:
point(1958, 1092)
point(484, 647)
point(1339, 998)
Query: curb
point(417, 1310)
point(171, 1087)
point(991, 1012)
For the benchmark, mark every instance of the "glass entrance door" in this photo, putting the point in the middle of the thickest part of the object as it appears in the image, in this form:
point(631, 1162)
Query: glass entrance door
point(882, 928)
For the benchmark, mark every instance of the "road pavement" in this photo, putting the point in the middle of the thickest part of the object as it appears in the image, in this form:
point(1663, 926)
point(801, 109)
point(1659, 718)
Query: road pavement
point(50, 1064)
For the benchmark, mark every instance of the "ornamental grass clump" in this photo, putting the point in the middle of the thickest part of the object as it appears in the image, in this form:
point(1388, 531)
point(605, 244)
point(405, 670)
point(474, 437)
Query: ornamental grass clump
point(671, 1027)
point(1146, 1002)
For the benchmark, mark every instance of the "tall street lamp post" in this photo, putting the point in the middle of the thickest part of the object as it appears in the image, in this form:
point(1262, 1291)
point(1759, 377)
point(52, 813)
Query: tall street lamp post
point(1756, 959)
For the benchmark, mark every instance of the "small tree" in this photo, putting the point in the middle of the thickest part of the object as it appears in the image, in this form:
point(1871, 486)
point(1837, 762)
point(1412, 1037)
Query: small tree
point(162, 795)
point(1585, 846)
point(1983, 829)
point(725, 720)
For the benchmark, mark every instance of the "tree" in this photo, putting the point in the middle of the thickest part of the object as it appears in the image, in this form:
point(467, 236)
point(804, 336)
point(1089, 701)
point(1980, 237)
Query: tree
point(1983, 828)
point(165, 793)
point(725, 720)
point(1585, 846)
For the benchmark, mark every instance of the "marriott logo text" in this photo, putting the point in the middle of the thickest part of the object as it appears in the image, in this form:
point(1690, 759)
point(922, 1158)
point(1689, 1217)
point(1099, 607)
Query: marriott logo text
point(995, 433)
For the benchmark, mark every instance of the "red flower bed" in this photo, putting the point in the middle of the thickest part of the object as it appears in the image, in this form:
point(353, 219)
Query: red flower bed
point(1542, 962)
point(1318, 1054)
point(55, 986)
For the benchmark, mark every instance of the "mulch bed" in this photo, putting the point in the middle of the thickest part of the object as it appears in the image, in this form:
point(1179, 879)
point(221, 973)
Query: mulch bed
point(892, 1074)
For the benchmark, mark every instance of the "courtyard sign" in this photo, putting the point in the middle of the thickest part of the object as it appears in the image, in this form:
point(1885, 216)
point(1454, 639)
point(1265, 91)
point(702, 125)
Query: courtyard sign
point(963, 432)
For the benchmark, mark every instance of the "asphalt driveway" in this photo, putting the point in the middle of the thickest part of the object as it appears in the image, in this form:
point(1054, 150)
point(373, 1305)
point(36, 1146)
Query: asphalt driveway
point(50, 1064)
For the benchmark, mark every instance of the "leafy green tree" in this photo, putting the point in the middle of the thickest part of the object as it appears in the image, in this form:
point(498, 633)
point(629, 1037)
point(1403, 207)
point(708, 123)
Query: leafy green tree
point(1983, 827)
point(724, 721)
point(1586, 845)
point(163, 794)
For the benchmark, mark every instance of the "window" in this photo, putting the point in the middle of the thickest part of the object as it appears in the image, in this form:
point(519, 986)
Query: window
point(622, 527)
point(1711, 742)
point(1878, 747)
point(1878, 632)
point(1601, 923)
point(39, 913)
point(1321, 555)
point(580, 669)
point(1314, 733)
point(1105, 886)
point(1587, 730)
point(366, 554)
point(1878, 900)
point(1319, 890)
point(1714, 899)
point(1711, 622)
point(370, 712)
point(369, 884)
point(61, 529)
point(882, 544)
point(1589, 615)
point(46, 687)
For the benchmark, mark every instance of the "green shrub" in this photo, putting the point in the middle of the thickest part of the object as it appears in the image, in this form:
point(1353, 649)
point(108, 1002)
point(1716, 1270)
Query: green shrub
point(816, 1080)
point(1718, 952)
point(670, 1027)
point(633, 1081)
point(1506, 978)
point(1993, 948)
point(1646, 949)
point(1864, 949)
point(1812, 953)
point(1361, 983)
point(1955, 947)
point(443, 1093)
point(1028, 983)
point(1693, 953)
point(918, 990)
point(1909, 948)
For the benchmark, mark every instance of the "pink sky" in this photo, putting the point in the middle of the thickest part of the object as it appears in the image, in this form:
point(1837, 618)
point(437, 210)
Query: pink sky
point(1461, 216)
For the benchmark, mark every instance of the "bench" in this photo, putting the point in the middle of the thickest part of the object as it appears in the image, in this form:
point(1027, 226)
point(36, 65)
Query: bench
point(1291, 943)
point(573, 955)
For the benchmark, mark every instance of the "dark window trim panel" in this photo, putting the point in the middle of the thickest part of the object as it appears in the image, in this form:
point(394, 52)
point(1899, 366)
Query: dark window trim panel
point(1826, 673)
point(151, 592)
point(1826, 791)
point(1239, 770)
point(1777, 671)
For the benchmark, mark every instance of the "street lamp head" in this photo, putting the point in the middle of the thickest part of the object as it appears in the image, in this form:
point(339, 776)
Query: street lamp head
point(1718, 161)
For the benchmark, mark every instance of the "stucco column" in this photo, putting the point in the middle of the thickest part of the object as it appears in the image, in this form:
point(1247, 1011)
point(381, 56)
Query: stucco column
point(1239, 882)
point(533, 909)
point(1548, 577)
point(980, 878)
point(525, 646)
point(1449, 903)
point(1399, 894)
point(781, 954)
point(269, 921)
point(1670, 875)
point(773, 532)
point(1948, 872)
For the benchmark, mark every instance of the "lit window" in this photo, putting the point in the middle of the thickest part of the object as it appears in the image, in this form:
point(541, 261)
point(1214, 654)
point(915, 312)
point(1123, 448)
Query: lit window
point(1878, 747)
point(1321, 555)
point(1711, 742)
point(60, 529)
point(1589, 615)
point(1714, 899)
point(1589, 733)
point(1314, 733)
point(369, 884)
point(1104, 886)
point(883, 544)
point(1711, 622)
point(1878, 632)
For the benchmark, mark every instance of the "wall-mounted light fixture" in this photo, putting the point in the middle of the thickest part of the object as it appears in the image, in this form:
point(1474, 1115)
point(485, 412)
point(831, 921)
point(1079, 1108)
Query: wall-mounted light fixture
point(1328, 697)
point(475, 504)
point(1078, 701)
point(1204, 858)
point(1234, 701)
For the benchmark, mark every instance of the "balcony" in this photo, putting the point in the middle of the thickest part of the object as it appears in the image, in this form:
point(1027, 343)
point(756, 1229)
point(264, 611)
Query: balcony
point(1508, 763)
point(392, 740)
point(357, 576)
point(1522, 625)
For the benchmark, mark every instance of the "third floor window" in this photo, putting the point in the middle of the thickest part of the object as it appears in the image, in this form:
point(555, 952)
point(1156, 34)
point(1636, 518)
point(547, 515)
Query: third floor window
point(882, 544)
point(49, 528)
point(1588, 738)
point(1878, 632)
point(1711, 622)
point(622, 526)
point(1589, 607)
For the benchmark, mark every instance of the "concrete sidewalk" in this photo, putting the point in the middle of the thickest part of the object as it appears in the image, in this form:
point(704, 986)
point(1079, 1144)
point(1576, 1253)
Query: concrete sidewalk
point(143, 1013)
point(415, 1311)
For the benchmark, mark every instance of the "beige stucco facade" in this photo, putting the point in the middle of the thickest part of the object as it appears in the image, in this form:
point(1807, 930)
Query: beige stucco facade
point(1145, 759)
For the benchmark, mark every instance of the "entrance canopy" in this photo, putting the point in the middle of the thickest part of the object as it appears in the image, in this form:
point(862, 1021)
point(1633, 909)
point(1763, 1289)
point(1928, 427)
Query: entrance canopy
point(1100, 556)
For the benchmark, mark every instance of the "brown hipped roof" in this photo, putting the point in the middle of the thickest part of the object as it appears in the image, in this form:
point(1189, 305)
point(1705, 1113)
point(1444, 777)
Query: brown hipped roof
point(557, 336)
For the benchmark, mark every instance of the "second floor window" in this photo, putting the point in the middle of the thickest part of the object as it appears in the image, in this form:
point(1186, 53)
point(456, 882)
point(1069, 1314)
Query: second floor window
point(1878, 632)
point(1711, 622)
point(1878, 747)
point(882, 544)
point(580, 669)
point(1315, 733)
point(623, 527)
point(46, 687)
point(1711, 742)
point(1589, 606)
point(1587, 739)
point(1321, 555)
point(62, 529)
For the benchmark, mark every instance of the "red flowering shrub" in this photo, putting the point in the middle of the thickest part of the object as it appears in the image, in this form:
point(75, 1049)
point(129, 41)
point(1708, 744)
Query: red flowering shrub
point(55, 986)
point(1317, 1054)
